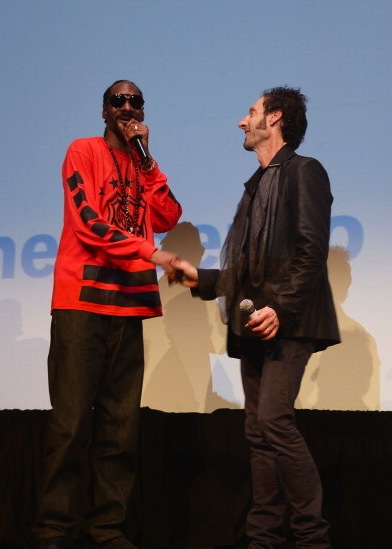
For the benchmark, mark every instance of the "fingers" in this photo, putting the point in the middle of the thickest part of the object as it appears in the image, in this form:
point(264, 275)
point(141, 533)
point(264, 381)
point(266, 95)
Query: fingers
point(265, 325)
point(164, 259)
point(134, 128)
point(140, 129)
point(175, 276)
point(269, 332)
point(183, 273)
point(177, 270)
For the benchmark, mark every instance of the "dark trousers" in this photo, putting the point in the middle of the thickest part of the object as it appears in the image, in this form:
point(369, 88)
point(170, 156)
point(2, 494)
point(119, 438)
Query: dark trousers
point(95, 368)
point(283, 471)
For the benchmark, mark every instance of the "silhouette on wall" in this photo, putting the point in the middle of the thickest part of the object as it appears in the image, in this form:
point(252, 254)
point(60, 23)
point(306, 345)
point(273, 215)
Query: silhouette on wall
point(345, 376)
point(182, 346)
point(179, 344)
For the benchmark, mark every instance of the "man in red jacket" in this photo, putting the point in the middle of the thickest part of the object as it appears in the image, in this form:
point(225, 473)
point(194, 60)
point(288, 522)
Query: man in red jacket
point(275, 255)
point(105, 284)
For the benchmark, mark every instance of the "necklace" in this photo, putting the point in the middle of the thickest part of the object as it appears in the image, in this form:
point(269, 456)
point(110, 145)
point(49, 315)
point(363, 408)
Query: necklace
point(130, 221)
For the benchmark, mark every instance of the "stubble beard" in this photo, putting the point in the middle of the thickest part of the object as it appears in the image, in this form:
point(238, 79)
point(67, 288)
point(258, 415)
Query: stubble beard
point(249, 143)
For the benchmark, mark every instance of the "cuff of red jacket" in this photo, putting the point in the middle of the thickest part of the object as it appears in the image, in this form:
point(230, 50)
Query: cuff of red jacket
point(146, 250)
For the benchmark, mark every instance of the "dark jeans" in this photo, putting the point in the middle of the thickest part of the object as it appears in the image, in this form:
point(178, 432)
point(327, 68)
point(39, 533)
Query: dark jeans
point(283, 471)
point(95, 367)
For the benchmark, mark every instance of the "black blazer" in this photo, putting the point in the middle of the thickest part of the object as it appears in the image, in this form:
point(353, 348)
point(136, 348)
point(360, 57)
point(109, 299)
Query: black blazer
point(295, 283)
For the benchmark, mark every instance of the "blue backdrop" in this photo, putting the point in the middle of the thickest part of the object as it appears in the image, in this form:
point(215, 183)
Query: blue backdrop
point(200, 66)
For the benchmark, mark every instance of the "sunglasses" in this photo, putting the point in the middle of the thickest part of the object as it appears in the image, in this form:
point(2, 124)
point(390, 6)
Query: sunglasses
point(118, 100)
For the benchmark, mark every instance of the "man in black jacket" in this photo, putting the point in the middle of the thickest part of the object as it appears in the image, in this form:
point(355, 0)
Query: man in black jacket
point(275, 255)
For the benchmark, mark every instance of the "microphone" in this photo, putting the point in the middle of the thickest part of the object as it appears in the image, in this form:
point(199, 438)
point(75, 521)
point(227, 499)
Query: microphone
point(247, 306)
point(141, 150)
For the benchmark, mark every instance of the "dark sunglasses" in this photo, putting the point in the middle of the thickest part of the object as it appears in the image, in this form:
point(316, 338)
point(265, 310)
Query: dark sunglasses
point(118, 100)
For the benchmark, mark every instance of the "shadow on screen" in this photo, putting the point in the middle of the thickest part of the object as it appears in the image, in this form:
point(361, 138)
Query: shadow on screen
point(345, 376)
point(181, 346)
point(178, 345)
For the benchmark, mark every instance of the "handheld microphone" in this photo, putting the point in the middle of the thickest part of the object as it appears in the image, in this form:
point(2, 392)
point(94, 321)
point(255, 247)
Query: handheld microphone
point(247, 306)
point(141, 150)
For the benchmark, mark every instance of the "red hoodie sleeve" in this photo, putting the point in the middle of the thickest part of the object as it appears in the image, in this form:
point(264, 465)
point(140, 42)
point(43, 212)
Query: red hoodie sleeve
point(165, 210)
point(83, 175)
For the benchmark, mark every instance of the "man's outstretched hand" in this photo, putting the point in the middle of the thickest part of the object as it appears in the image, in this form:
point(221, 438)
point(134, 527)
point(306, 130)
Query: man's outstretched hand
point(183, 273)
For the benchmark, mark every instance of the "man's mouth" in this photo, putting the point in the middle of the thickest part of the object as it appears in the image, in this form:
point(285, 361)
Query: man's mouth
point(125, 117)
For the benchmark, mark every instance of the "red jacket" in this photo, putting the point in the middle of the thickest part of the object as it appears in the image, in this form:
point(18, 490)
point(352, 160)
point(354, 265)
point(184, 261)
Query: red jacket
point(100, 267)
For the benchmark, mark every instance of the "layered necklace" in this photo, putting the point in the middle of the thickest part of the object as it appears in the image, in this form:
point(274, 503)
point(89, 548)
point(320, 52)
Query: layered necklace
point(130, 220)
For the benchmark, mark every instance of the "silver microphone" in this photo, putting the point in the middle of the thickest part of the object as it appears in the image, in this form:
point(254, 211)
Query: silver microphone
point(247, 306)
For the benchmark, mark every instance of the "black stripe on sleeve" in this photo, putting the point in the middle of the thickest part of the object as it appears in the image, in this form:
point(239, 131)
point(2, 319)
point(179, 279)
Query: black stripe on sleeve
point(87, 214)
point(79, 197)
point(74, 181)
point(100, 229)
point(117, 236)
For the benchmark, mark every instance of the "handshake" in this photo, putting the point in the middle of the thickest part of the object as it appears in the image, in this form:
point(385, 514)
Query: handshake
point(178, 271)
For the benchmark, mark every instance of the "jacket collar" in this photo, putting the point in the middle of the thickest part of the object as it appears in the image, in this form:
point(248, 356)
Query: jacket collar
point(283, 154)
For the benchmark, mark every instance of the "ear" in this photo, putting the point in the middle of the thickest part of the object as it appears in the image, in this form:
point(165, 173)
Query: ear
point(275, 117)
point(104, 112)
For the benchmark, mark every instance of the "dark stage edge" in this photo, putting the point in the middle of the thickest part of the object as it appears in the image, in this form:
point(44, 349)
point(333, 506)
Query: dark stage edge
point(193, 481)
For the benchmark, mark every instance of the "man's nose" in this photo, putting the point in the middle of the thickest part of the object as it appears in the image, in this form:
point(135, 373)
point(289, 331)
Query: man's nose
point(127, 107)
point(242, 123)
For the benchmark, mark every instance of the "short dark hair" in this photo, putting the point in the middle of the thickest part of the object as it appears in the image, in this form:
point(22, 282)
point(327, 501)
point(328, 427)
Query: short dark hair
point(107, 92)
point(292, 103)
